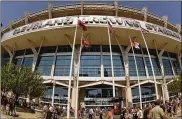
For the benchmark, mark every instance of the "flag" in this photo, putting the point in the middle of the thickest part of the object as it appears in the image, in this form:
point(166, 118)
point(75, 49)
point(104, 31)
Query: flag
point(81, 24)
point(135, 44)
point(144, 31)
point(86, 43)
point(110, 28)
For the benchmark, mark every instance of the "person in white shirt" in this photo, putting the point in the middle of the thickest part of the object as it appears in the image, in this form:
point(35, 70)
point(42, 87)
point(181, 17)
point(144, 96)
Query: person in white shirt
point(139, 113)
point(91, 112)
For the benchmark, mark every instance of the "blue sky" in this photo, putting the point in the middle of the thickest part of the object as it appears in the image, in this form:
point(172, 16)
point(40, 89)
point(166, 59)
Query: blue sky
point(14, 10)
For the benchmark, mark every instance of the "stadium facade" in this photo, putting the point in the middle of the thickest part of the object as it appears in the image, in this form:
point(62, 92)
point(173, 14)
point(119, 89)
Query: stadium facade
point(44, 41)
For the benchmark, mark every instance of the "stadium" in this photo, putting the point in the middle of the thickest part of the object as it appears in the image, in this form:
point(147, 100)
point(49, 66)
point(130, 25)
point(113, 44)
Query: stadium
point(50, 41)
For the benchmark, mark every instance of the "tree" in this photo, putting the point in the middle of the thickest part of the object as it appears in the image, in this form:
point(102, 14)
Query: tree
point(22, 81)
point(175, 86)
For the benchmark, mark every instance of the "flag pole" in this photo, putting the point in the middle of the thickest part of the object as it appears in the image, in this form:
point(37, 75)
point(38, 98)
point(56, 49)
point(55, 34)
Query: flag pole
point(78, 72)
point(144, 63)
point(156, 89)
point(70, 75)
point(139, 88)
point(113, 83)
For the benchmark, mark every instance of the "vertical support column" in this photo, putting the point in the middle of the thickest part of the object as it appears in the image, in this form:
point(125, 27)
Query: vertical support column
point(36, 54)
point(49, 10)
point(53, 90)
point(165, 19)
point(165, 90)
point(144, 10)
point(102, 64)
point(128, 88)
point(116, 8)
point(26, 17)
point(74, 91)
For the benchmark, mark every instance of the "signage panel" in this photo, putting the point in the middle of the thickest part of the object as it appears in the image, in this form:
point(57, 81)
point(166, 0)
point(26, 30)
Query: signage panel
point(92, 20)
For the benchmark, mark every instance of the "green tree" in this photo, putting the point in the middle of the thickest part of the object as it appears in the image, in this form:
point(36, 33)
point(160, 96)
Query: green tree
point(22, 81)
point(175, 86)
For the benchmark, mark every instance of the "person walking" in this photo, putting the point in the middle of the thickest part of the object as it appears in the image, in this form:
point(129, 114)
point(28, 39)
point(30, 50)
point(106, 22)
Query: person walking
point(110, 113)
point(157, 112)
point(100, 113)
point(146, 113)
point(91, 113)
point(139, 113)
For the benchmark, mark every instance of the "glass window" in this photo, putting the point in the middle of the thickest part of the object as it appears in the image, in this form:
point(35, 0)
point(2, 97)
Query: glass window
point(147, 91)
point(167, 67)
point(60, 95)
point(50, 49)
point(93, 48)
point(156, 66)
point(140, 66)
point(105, 48)
point(176, 67)
point(90, 66)
point(118, 66)
point(115, 48)
point(107, 66)
point(17, 61)
point(27, 62)
point(132, 67)
point(29, 51)
point(100, 93)
point(44, 65)
point(62, 66)
point(4, 61)
point(66, 48)
point(19, 52)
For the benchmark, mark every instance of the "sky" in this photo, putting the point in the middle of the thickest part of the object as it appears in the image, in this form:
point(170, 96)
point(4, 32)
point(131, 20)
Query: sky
point(11, 10)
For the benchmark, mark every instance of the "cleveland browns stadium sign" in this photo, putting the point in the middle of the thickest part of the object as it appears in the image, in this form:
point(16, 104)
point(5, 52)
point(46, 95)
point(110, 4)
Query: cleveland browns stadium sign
point(117, 22)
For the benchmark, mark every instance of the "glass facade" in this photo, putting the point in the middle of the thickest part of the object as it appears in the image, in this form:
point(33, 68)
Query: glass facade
point(107, 66)
point(176, 67)
point(118, 66)
point(60, 95)
point(44, 65)
point(27, 61)
point(167, 67)
point(99, 96)
point(18, 61)
point(62, 66)
point(4, 61)
point(140, 66)
point(90, 66)
point(147, 91)
point(99, 93)
point(156, 66)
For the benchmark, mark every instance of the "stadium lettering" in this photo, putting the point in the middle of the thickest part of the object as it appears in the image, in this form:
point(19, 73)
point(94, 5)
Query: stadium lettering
point(94, 20)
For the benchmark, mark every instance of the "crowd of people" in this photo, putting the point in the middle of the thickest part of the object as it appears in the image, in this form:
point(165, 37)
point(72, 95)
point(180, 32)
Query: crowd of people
point(8, 101)
point(156, 110)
